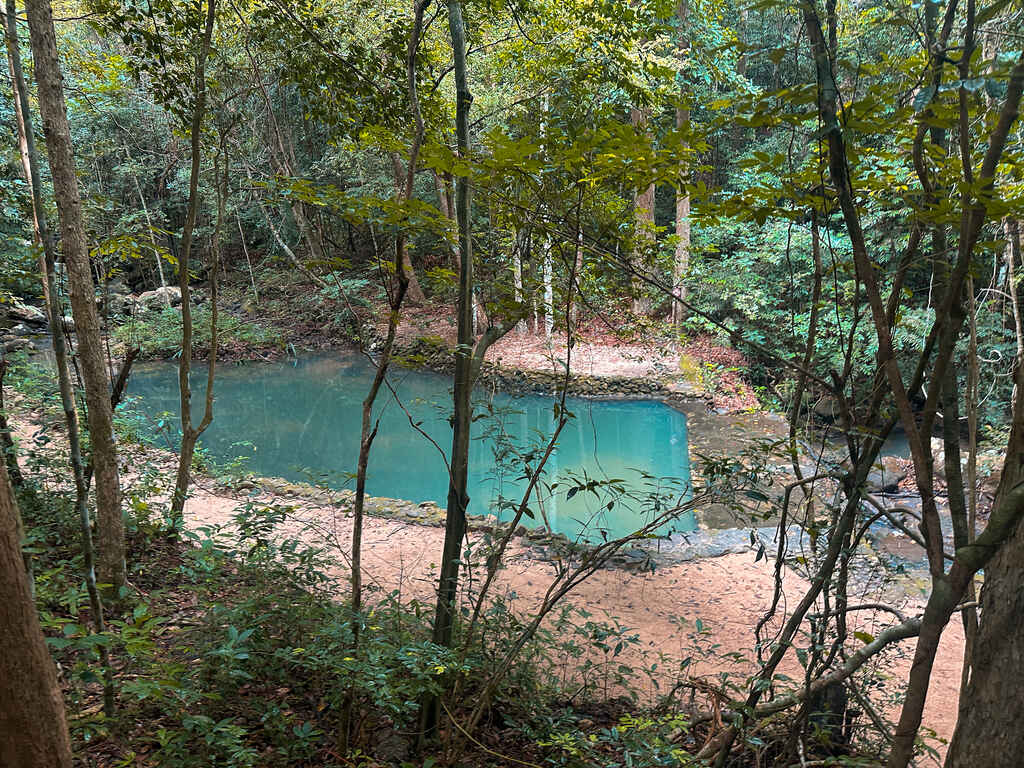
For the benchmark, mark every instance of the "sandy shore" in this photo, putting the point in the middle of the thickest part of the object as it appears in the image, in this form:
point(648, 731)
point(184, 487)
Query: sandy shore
point(727, 594)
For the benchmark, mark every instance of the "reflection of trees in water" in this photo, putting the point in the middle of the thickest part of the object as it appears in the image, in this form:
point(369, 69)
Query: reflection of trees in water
point(303, 416)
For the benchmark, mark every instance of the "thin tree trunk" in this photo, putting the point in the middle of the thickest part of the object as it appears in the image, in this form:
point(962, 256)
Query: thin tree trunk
point(112, 568)
point(414, 293)
point(446, 204)
point(643, 207)
point(152, 235)
point(368, 429)
point(549, 296)
point(517, 277)
point(67, 395)
point(248, 261)
point(947, 588)
point(6, 441)
point(681, 262)
point(1011, 228)
point(970, 615)
point(189, 433)
point(455, 519)
point(33, 728)
point(24, 125)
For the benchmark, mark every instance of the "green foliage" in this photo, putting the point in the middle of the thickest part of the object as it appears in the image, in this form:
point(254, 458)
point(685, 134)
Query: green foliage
point(640, 741)
point(158, 333)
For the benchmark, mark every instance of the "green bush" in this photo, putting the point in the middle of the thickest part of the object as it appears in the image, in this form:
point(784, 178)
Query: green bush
point(158, 333)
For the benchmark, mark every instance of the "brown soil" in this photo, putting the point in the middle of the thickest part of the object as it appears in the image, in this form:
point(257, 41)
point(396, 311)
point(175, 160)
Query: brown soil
point(728, 595)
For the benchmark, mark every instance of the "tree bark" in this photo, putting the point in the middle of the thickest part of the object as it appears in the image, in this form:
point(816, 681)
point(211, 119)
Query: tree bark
point(33, 728)
point(189, 433)
point(111, 561)
point(414, 292)
point(458, 500)
point(23, 122)
point(643, 206)
point(988, 732)
point(63, 368)
point(681, 263)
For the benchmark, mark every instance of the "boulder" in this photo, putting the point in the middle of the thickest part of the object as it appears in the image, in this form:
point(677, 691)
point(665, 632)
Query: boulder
point(158, 299)
point(26, 313)
point(21, 330)
point(18, 344)
point(121, 304)
point(886, 475)
point(117, 287)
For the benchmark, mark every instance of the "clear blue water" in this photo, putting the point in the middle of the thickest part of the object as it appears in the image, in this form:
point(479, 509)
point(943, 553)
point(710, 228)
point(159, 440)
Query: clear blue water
point(300, 420)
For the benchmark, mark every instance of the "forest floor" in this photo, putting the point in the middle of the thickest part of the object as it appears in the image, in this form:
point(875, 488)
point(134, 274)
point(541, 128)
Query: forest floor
point(605, 345)
point(703, 610)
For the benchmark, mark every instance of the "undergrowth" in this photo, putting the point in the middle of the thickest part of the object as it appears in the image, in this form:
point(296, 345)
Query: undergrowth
point(157, 333)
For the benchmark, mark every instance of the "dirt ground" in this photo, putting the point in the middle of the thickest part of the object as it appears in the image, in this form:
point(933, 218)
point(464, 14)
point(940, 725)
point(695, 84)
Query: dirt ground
point(727, 594)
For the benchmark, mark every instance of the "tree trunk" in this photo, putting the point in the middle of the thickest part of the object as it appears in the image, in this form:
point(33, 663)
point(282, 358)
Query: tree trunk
point(549, 294)
point(455, 517)
point(681, 263)
point(414, 292)
point(23, 122)
point(60, 357)
point(33, 729)
point(643, 207)
point(189, 433)
point(989, 731)
point(82, 294)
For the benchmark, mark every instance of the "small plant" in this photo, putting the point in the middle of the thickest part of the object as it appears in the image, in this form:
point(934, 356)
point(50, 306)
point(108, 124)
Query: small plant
point(158, 333)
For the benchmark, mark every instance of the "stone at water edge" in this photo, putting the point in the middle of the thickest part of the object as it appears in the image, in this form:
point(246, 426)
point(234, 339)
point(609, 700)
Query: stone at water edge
point(19, 344)
point(886, 475)
point(25, 313)
point(158, 299)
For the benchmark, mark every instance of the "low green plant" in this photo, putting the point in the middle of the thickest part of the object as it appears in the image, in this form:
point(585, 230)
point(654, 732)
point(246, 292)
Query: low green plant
point(157, 333)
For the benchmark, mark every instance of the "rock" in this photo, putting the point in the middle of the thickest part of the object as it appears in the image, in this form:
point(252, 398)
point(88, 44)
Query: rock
point(117, 287)
point(158, 299)
point(19, 344)
point(121, 304)
point(939, 457)
point(885, 476)
point(69, 323)
point(26, 313)
point(21, 330)
point(826, 407)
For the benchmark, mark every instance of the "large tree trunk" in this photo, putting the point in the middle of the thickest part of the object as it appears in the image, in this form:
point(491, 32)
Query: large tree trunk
point(82, 293)
point(989, 731)
point(33, 729)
